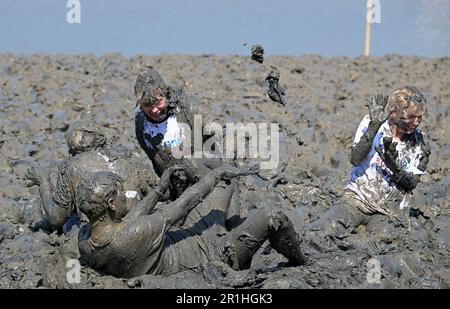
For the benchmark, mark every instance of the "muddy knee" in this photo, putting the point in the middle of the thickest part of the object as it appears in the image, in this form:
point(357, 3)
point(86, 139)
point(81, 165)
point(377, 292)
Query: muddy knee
point(266, 223)
point(239, 252)
point(246, 239)
point(278, 220)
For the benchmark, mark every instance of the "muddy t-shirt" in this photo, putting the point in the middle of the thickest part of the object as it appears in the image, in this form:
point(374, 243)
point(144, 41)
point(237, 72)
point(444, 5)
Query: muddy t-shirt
point(131, 250)
point(371, 179)
point(165, 136)
point(146, 245)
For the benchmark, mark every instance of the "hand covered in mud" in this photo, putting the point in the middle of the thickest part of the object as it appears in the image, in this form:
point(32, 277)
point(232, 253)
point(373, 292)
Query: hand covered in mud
point(376, 107)
point(34, 177)
point(390, 154)
point(164, 181)
point(426, 151)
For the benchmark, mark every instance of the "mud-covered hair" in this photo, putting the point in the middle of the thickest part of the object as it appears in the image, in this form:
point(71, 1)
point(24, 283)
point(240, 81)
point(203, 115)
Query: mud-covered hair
point(94, 195)
point(83, 137)
point(147, 86)
point(408, 99)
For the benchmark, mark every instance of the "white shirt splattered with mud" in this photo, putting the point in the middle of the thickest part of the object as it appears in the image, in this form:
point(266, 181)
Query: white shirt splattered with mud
point(170, 131)
point(371, 179)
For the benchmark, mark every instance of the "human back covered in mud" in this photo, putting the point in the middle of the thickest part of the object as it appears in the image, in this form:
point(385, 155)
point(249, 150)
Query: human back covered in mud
point(87, 145)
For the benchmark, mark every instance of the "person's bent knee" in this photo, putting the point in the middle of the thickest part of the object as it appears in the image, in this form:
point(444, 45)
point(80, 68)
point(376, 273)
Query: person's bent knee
point(277, 219)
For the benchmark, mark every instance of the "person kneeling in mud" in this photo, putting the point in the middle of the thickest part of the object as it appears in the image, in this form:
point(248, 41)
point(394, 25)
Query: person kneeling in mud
point(127, 246)
point(163, 110)
point(89, 154)
point(389, 155)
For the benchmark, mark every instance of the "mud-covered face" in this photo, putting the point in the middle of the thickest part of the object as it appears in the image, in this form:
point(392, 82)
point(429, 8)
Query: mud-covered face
point(157, 110)
point(407, 122)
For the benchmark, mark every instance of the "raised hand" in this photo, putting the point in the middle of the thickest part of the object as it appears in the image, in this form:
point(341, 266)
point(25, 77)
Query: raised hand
point(376, 107)
point(425, 147)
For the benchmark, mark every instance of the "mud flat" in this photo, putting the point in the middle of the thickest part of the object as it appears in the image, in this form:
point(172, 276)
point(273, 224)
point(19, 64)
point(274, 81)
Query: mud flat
point(41, 95)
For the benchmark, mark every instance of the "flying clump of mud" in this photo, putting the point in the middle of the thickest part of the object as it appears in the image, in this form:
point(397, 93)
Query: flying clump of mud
point(258, 53)
point(274, 91)
point(41, 95)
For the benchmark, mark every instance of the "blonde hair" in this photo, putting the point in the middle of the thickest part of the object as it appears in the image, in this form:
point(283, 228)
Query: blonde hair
point(408, 99)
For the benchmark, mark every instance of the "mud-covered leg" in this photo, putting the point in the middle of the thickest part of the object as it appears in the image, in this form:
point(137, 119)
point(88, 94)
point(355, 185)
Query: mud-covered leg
point(234, 211)
point(379, 232)
point(212, 210)
point(380, 228)
point(265, 224)
point(337, 220)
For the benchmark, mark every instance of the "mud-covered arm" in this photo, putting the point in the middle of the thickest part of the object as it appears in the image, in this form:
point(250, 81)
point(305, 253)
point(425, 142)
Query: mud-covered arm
point(145, 174)
point(361, 149)
point(406, 181)
point(55, 201)
point(190, 107)
point(139, 122)
point(368, 128)
point(158, 163)
point(148, 231)
point(190, 198)
point(154, 196)
point(189, 111)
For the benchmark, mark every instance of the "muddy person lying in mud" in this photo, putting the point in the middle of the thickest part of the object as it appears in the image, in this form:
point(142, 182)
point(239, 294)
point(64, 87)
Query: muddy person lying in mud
point(129, 241)
point(130, 244)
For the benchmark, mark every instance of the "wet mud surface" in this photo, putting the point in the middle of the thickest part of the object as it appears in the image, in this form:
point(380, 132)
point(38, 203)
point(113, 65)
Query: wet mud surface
point(41, 95)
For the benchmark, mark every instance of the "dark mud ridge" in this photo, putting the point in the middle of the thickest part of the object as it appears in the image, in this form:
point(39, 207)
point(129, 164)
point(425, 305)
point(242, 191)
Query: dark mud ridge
point(41, 95)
